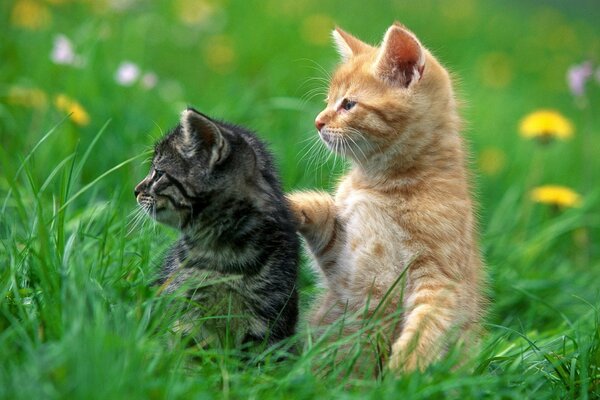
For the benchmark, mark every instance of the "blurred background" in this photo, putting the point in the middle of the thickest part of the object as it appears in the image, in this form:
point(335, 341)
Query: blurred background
point(527, 72)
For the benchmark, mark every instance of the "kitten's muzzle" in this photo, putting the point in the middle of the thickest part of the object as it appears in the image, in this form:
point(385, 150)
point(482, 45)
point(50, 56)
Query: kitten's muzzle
point(319, 124)
point(140, 187)
point(327, 137)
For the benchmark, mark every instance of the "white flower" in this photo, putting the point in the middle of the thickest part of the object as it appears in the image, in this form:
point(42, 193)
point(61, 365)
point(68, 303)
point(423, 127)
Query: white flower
point(63, 53)
point(149, 80)
point(127, 73)
point(577, 76)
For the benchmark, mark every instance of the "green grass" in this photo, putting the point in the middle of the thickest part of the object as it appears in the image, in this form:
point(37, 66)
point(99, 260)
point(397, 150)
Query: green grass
point(78, 318)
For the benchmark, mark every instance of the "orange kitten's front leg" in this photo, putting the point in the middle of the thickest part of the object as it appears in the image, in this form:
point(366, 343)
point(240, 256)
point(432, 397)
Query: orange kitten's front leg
point(428, 321)
point(319, 225)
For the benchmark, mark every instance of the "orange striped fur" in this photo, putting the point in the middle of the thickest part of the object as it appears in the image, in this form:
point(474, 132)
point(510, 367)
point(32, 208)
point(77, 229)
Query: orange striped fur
point(404, 205)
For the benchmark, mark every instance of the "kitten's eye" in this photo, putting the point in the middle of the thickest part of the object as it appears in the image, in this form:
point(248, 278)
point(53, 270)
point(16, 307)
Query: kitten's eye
point(347, 104)
point(158, 174)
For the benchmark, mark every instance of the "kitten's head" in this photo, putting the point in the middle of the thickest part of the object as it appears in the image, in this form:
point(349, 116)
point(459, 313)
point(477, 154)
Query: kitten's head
point(384, 100)
point(198, 161)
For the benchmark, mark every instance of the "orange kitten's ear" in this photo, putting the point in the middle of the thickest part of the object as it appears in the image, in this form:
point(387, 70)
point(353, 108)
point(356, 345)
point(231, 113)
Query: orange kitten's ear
point(401, 58)
point(346, 44)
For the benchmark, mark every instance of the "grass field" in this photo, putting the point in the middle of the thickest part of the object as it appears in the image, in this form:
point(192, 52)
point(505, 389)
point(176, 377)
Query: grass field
point(87, 86)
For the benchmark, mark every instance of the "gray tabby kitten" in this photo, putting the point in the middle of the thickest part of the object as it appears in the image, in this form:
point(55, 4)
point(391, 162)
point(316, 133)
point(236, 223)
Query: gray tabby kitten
point(237, 257)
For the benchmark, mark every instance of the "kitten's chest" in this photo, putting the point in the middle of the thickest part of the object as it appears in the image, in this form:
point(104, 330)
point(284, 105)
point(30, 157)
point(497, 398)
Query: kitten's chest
point(210, 289)
point(367, 209)
point(372, 228)
point(215, 303)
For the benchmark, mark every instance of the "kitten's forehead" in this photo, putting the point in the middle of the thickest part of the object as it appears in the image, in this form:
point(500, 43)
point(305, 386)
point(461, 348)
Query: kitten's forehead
point(169, 141)
point(343, 80)
point(354, 80)
point(167, 146)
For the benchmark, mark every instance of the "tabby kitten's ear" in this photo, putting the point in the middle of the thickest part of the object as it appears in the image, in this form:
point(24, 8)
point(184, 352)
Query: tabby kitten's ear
point(347, 45)
point(199, 132)
point(401, 59)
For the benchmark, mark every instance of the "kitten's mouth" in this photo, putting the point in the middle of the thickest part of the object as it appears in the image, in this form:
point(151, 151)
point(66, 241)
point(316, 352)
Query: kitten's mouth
point(331, 140)
point(145, 202)
point(151, 206)
point(327, 138)
point(151, 210)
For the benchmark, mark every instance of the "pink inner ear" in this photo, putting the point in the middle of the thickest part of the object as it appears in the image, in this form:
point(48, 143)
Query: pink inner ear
point(403, 49)
point(402, 57)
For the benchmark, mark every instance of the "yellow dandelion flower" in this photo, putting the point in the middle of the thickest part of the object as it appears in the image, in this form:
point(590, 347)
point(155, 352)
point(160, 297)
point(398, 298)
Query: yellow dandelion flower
point(27, 97)
point(491, 161)
point(219, 54)
point(546, 125)
point(72, 107)
point(316, 29)
point(560, 196)
point(30, 14)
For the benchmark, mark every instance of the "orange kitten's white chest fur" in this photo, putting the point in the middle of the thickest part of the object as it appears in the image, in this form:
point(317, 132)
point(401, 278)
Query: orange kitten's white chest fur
point(364, 213)
point(404, 210)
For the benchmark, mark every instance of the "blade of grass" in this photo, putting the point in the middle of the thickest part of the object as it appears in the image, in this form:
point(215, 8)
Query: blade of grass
point(28, 156)
point(99, 178)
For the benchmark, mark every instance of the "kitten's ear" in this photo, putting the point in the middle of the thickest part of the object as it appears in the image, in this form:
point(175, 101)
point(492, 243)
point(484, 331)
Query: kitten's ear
point(347, 45)
point(401, 58)
point(200, 132)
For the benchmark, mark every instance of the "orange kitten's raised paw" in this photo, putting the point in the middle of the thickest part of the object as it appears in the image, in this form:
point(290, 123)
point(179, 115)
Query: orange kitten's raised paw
point(317, 215)
point(296, 208)
point(313, 210)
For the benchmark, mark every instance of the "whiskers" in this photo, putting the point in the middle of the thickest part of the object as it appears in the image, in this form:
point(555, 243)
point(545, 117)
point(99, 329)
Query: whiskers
point(318, 88)
point(317, 154)
point(371, 147)
point(339, 148)
point(317, 85)
point(139, 217)
point(312, 152)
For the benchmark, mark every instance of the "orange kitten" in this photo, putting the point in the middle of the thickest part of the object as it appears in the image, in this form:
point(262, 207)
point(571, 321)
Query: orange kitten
point(404, 207)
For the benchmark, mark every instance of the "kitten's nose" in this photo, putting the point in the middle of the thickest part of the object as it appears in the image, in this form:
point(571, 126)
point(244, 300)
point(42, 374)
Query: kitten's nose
point(319, 124)
point(138, 189)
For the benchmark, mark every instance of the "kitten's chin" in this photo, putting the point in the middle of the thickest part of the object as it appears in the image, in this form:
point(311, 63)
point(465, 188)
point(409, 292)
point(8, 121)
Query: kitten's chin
point(170, 218)
point(165, 216)
point(332, 141)
point(345, 145)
